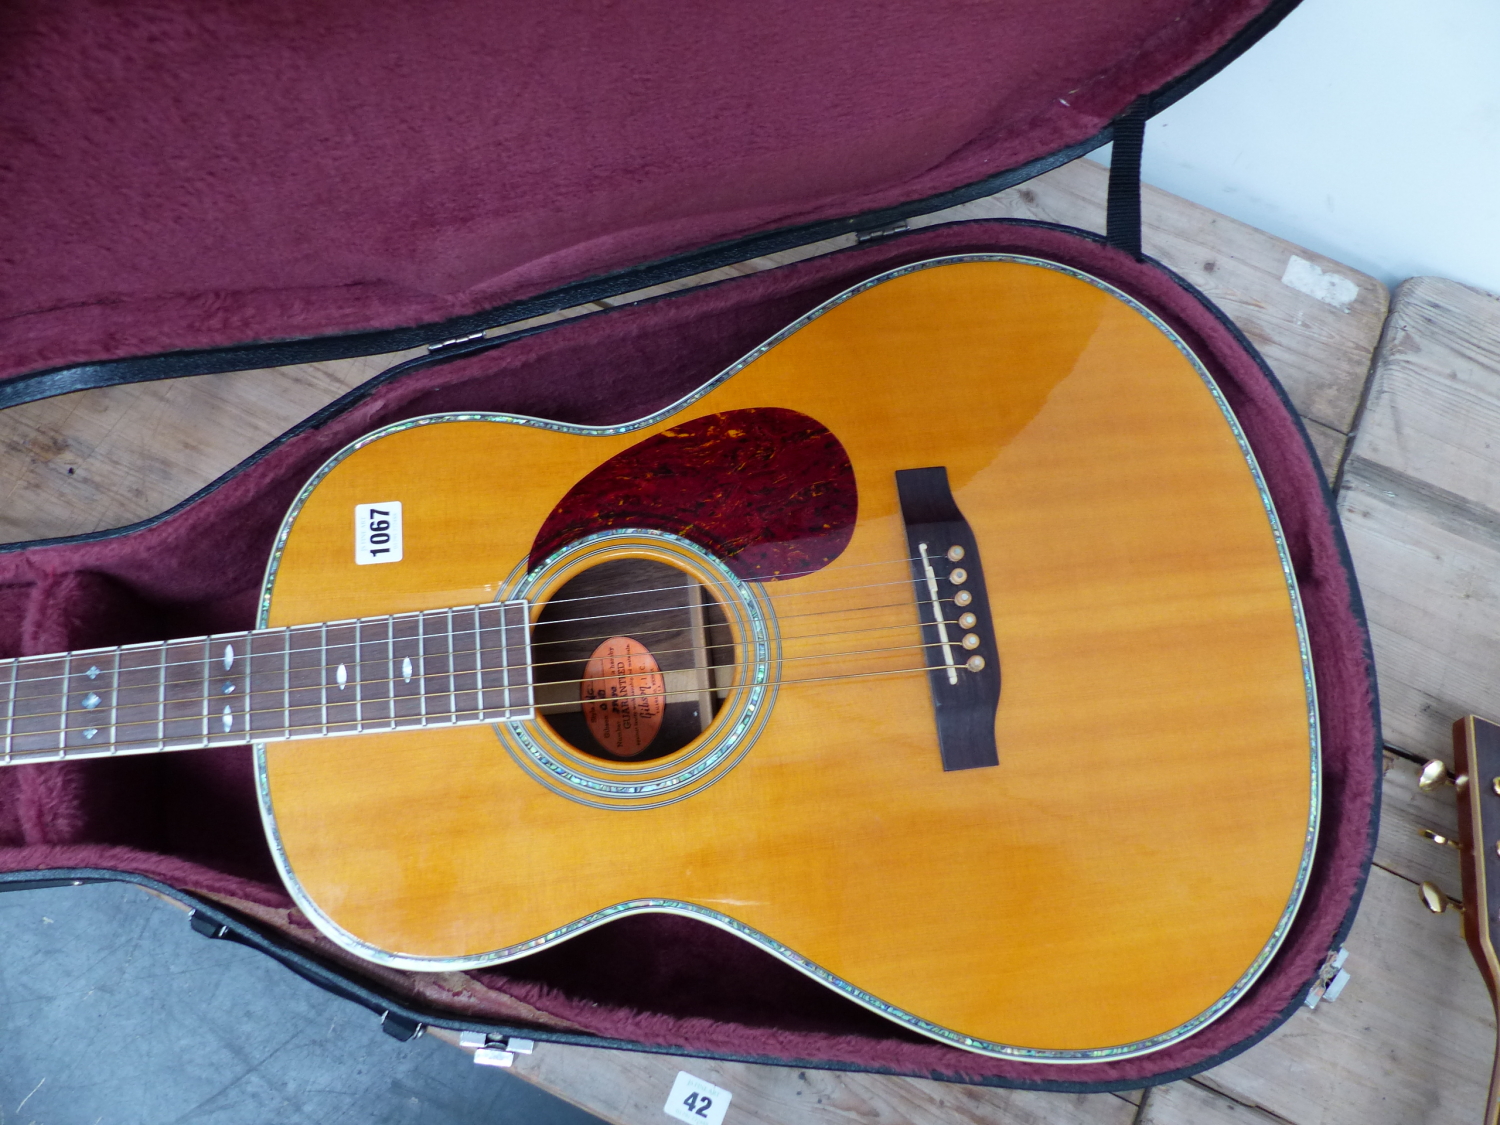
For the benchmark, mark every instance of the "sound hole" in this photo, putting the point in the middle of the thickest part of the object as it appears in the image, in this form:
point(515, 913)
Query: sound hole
point(633, 659)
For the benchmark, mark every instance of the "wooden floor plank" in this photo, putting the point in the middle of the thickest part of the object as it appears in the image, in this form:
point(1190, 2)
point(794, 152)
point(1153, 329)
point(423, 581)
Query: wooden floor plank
point(1189, 1103)
point(1429, 569)
point(1421, 506)
point(630, 1088)
point(1434, 410)
point(114, 455)
point(1410, 1039)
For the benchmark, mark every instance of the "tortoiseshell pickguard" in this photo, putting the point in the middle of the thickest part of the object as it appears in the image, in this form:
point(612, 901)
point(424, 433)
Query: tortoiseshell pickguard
point(769, 491)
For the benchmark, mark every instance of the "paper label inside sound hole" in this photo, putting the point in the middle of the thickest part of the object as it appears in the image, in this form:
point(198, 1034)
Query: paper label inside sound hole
point(622, 693)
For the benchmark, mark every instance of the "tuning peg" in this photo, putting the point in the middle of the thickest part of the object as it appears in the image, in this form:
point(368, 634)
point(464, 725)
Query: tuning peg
point(1436, 901)
point(1435, 774)
point(1436, 838)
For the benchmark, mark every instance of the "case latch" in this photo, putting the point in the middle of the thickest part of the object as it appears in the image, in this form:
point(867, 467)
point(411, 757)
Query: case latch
point(494, 1050)
point(1331, 979)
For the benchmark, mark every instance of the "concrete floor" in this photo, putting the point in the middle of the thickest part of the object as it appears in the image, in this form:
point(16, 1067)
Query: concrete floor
point(113, 1012)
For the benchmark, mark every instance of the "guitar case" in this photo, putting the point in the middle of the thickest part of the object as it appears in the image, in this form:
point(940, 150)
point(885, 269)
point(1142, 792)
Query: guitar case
point(198, 187)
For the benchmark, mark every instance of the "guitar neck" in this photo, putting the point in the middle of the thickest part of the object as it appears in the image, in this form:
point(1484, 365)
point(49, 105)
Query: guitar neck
point(444, 667)
point(1476, 747)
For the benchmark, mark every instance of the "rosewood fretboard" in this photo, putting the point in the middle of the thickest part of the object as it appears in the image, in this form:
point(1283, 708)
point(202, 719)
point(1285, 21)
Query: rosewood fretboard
point(441, 667)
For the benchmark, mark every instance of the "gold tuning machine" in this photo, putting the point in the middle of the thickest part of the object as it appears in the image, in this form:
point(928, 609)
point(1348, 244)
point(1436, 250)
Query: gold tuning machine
point(1435, 774)
point(1436, 901)
point(1438, 838)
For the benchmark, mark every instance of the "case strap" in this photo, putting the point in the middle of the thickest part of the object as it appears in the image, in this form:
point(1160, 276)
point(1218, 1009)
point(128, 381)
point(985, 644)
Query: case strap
point(1123, 211)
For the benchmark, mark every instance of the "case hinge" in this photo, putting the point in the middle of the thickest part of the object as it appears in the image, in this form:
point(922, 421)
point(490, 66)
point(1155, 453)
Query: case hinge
point(494, 1050)
point(206, 926)
point(400, 1028)
point(456, 340)
point(881, 232)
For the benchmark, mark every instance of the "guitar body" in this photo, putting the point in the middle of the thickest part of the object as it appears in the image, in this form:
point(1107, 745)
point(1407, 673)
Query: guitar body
point(1114, 883)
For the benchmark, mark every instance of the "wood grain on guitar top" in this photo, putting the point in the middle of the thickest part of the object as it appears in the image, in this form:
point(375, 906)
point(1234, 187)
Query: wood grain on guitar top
point(1111, 879)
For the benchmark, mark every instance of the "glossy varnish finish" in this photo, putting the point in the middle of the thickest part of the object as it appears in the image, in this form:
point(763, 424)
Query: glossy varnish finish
point(1125, 865)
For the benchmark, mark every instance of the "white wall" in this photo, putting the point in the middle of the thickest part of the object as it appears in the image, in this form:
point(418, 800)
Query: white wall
point(1368, 130)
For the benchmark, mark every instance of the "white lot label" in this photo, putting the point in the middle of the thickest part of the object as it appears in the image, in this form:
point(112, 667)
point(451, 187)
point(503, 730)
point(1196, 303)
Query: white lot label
point(695, 1100)
point(377, 533)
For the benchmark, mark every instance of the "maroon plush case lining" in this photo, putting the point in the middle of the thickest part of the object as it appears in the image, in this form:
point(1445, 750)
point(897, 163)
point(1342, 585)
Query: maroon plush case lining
point(188, 174)
point(190, 820)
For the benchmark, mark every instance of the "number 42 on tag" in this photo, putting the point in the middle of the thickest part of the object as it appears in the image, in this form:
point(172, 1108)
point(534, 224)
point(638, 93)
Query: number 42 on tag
point(694, 1100)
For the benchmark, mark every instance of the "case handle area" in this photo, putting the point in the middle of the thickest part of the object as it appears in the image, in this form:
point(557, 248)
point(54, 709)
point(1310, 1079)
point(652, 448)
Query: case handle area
point(1122, 228)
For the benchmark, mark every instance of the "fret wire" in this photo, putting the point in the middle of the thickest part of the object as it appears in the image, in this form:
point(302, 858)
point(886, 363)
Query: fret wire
point(286, 677)
point(504, 660)
point(390, 663)
point(161, 703)
point(114, 705)
point(478, 664)
point(207, 656)
point(62, 733)
point(10, 710)
point(422, 666)
point(359, 705)
point(247, 673)
point(323, 641)
point(452, 669)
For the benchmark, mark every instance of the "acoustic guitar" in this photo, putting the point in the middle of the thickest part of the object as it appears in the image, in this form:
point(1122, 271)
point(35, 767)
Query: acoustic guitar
point(946, 646)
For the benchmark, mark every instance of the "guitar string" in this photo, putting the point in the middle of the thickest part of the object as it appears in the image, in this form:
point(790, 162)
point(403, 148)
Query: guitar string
point(197, 703)
point(655, 652)
point(238, 738)
point(204, 662)
point(324, 686)
point(198, 663)
point(713, 625)
point(762, 581)
point(501, 669)
point(215, 638)
point(721, 605)
point(152, 669)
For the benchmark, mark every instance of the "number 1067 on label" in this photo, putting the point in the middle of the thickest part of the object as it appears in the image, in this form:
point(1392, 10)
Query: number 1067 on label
point(377, 533)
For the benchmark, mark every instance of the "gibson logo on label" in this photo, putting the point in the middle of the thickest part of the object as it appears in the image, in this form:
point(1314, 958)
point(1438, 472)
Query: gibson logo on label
point(623, 696)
